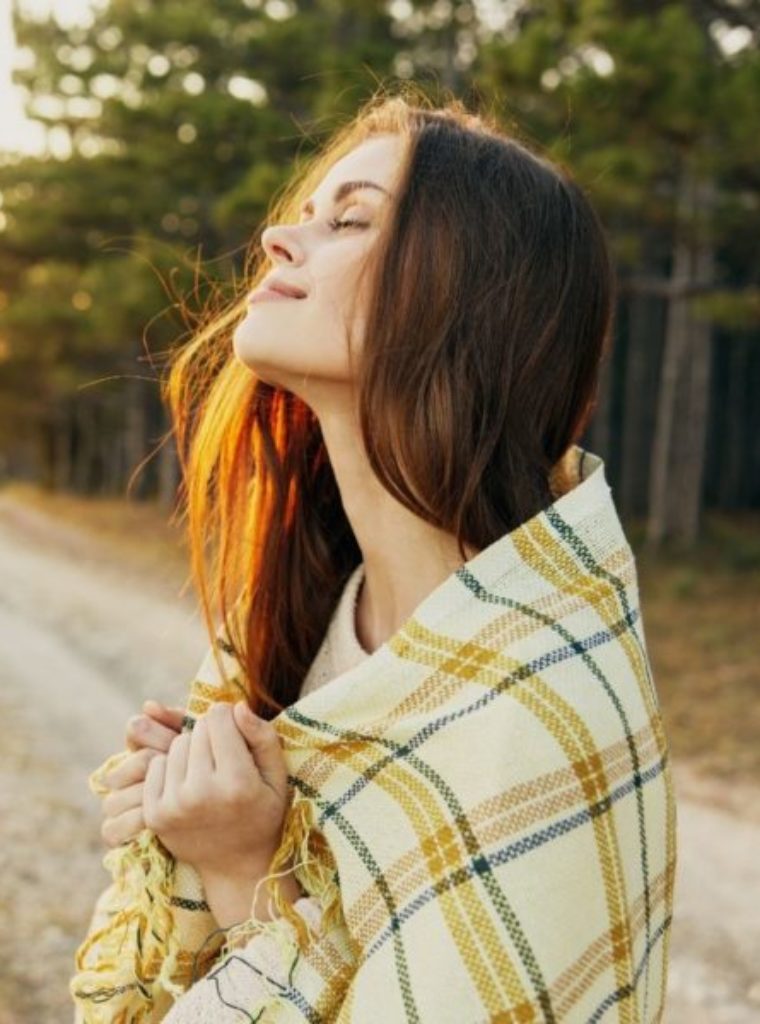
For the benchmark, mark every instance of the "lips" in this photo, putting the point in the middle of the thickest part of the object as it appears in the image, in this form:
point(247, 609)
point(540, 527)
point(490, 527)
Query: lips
point(284, 289)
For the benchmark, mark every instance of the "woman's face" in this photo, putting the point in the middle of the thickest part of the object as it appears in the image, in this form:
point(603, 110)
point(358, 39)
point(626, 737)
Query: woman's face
point(300, 344)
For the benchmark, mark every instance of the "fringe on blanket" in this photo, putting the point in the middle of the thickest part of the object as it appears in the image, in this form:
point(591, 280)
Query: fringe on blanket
point(124, 967)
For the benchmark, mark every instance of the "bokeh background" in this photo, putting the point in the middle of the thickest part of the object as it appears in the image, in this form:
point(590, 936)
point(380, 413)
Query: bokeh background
point(140, 144)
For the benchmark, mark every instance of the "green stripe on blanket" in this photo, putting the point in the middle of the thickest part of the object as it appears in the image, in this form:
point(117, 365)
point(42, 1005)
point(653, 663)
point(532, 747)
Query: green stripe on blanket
point(483, 812)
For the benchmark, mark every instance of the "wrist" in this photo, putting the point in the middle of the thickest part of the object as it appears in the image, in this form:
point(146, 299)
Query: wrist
point(230, 894)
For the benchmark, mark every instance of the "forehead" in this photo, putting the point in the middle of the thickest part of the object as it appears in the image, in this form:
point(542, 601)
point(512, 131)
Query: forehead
point(374, 160)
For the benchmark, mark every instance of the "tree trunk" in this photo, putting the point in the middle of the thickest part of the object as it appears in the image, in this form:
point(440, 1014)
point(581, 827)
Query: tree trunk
point(639, 390)
point(752, 425)
point(135, 435)
point(168, 473)
point(733, 451)
point(678, 461)
point(597, 436)
point(86, 445)
point(110, 447)
point(61, 428)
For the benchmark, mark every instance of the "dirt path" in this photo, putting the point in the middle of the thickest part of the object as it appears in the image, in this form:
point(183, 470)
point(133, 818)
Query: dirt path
point(84, 638)
point(82, 641)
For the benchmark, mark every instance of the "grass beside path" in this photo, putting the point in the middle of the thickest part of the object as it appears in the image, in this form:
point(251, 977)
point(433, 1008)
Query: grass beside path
point(701, 617)
point(134, 534)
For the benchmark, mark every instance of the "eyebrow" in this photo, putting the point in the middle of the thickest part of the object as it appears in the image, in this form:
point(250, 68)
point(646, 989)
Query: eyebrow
point(343, 190)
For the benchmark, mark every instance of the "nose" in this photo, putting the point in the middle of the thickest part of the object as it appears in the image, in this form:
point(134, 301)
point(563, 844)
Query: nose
point(279, 242)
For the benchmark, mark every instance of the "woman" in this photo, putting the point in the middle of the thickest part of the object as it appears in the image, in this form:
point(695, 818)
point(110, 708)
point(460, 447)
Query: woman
point(429, 711)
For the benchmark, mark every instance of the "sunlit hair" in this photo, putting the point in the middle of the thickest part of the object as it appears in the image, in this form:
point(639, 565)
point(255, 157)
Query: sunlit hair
point(488, 314)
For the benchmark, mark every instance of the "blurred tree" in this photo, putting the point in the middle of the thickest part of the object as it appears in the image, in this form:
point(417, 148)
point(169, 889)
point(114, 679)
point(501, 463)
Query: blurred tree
point(654, 105)
point(170, 126)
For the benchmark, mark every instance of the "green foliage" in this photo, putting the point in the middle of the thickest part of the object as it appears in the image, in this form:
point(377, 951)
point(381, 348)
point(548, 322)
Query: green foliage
point(185, 118)
point(727, 309)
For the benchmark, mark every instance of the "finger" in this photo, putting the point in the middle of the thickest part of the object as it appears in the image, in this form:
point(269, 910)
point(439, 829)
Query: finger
point(122, 828)
point(264, 743)
point(176, 764)
point(200, 763)
point(154, 787)
point(121, 800)
point(130, 736)
point(144, 731)
point(132, 769)
point(170, 717)
point(228, 746)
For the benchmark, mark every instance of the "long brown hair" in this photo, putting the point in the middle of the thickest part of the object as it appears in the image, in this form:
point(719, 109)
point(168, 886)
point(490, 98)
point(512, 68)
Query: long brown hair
point(489, 312)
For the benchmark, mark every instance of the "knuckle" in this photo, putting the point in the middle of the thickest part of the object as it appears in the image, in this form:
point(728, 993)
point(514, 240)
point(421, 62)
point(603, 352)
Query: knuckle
point(153, 818)
point(120, 776)
point(107, 833)
point(136, 826)
point(239, 790)
point(164, 739)
point(172, 815)
point(133, 725)
point(187, 800)
point(204, 796)
point(143, 727)
point(180, 740)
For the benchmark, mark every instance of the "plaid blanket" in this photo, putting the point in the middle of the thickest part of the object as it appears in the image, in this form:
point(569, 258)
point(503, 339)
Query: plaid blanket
point(482, 811)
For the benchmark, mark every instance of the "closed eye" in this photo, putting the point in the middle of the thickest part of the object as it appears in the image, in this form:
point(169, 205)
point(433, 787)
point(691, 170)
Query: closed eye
point(336, 224)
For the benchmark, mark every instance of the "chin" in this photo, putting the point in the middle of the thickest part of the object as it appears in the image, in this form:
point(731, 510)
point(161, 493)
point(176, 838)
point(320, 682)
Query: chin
point(262, 356)
point(252, 354)
point(287, 363)
point(250, 342)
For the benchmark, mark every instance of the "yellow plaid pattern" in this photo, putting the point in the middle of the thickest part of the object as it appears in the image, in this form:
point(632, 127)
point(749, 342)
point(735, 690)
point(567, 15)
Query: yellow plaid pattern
point(483, 808)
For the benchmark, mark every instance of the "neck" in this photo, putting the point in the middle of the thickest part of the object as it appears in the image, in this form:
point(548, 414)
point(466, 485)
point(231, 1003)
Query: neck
point(405, 558)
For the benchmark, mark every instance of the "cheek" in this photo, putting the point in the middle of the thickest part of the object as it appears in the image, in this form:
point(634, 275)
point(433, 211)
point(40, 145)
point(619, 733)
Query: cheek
point(338, 277)
point(342, 290)
point(331, 305)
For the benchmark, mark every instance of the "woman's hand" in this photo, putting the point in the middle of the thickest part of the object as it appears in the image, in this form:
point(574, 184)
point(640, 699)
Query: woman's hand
point(146, 735)
point(155, 728)
point(218, 798)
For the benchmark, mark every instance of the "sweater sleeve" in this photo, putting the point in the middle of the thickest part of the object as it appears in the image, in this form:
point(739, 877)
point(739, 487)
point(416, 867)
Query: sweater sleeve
point(117, 915)
point(193, 958)
point(99, 919)
point(246, 977)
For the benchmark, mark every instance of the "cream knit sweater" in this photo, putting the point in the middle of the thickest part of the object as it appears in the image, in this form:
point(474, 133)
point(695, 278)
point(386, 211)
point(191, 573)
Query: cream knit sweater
point(340, 648)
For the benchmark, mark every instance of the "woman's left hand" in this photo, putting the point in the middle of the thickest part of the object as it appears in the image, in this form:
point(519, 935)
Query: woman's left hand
point(218, 798)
